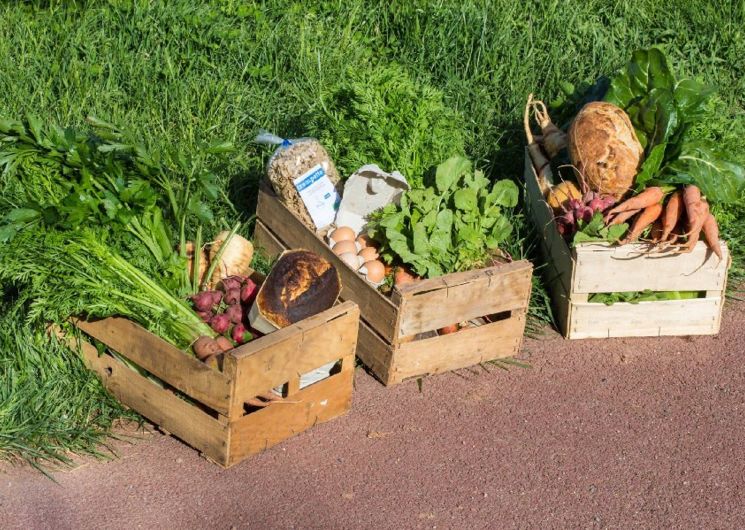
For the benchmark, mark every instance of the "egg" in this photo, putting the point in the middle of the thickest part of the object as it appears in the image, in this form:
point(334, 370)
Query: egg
point(368, 254)
point(351, 259)
point(343, 247)
point(364, 241)
point(374, 271)
point(342, 233)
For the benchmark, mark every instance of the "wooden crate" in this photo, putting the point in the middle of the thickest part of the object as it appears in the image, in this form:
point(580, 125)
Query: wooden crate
point(397, 338)
point(212, 417)
point(573, 274)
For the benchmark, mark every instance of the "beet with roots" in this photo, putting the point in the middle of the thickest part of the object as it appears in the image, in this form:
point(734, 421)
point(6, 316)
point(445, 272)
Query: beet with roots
point(206, 300)
point(233, 296)
point(235, 313)
point(248, 291)
point(231, 282)
point(220, 323)
point(205, 315)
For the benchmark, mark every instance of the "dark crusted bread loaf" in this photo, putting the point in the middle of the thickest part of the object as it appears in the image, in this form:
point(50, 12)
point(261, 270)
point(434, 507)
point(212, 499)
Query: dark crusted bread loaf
point(301, 284)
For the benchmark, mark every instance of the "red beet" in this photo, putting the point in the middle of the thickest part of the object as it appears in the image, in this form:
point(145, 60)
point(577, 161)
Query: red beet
point(235, 313)
point(240, 334)
point(205, 315)
point(248, 291)
point(220, 323)
point(216, 297)
point(205, 300)
point(231, 282)
point(233, 296)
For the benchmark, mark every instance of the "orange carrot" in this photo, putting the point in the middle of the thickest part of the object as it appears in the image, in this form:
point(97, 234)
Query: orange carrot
point(621, 217)
point(673, 211)
point(697, 211)
point(711, 232)
point(648, 216)
point(648, 197)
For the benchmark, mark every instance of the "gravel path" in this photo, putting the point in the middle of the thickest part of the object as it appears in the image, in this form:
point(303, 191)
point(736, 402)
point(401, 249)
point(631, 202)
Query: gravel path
point(623, 433)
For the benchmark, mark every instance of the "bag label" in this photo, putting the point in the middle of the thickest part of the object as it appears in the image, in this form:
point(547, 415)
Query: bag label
point(319, 195)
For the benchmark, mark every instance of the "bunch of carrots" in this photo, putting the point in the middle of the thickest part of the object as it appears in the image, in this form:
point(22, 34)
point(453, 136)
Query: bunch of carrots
point(685, 215)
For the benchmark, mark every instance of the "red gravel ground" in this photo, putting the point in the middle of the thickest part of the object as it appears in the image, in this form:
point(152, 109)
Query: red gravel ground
point(625, 433)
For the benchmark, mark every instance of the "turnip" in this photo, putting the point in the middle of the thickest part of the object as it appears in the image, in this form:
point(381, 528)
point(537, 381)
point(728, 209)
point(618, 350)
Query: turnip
point(240, 334)
point(220, 323)
point(235, 313)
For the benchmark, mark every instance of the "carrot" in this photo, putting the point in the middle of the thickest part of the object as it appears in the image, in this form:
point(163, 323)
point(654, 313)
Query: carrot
point(656, 234)
point(621, 217)
point(648, 197)
point(648, 216)
point(673, 212)
point(711, 232)
point(697, 211)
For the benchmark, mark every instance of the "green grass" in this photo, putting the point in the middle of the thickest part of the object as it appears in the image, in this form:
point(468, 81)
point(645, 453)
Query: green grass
point(184, 75)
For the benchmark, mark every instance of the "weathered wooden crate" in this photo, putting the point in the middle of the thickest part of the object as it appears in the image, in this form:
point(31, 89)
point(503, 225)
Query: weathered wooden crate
point(574, 274)
point(397, 338)
point(210, 414)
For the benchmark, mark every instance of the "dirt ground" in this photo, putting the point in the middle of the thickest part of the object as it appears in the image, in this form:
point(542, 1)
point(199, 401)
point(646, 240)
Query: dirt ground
point(642, 433)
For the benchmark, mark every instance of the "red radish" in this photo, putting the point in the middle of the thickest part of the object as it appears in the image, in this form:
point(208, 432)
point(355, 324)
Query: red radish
point(220, 323)
point(232, 296)
point(234, 313)
point(248, 291)
point(240, 334)
point(204, 301)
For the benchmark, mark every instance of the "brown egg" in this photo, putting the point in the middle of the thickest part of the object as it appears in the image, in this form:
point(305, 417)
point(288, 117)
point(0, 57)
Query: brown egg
point(368, 253)
point(374, 271)
point(343, 233)
point(351, 259)
point(364, 241)
point(344, 246)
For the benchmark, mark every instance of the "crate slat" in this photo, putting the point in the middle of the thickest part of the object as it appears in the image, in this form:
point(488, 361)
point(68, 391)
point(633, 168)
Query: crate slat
point(318, 403)
point(275, 359)
point(160, 406)
point(435, 303)
point(181, 370)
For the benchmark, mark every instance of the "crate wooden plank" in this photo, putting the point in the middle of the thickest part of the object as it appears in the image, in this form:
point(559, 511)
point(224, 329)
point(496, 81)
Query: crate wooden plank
point(286, 228)
point(180, 370)
point(458, 350)
point(318, 403)
point(375, 352)
point(289, 352)
point(265, 240)
point(700, 316)
point(608, 269)
point(437, 302)
point(162, 407)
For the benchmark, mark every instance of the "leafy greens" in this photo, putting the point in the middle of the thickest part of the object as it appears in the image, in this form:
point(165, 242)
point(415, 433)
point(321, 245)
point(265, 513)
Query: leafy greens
point(454, 225)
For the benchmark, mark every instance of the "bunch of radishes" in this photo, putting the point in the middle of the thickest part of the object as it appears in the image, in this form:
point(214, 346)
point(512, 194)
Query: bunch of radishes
point(576, 210)
point(226, 311)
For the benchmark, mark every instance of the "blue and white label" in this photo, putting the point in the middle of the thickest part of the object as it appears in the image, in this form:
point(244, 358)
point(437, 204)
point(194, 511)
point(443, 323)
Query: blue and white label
point(319, 195)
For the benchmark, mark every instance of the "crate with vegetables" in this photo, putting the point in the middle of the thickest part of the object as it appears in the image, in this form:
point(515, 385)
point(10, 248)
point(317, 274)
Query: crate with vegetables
point(424, 263)
point(624, 202)
point(181, 330)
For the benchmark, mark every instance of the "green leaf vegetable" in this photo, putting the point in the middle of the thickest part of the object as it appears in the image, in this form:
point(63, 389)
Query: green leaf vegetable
point(663, 109)
point(454, 225)
point(634, 297)
point(382, 116)
point(595, 231)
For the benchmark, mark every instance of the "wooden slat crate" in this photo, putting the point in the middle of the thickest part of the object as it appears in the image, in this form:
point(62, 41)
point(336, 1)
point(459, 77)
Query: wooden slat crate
point(212, 417)
point(397, 337)
point(574, 274)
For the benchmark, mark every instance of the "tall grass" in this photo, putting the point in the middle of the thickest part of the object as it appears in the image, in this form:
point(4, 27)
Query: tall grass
point(188, 73)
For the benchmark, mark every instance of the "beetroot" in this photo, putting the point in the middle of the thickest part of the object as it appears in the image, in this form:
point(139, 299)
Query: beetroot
point(231, 282)
point(205, 315)
point(240, 334)
point(205, 300)
point(233, 296)
point(248, 291)
point(216, 297)
point(220, 323)
point(235, 313)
